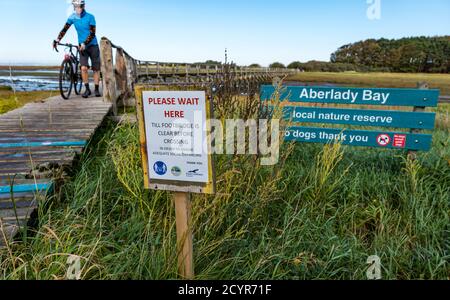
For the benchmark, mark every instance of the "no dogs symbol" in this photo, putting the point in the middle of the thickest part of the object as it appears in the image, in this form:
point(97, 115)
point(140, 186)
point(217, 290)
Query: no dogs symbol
point(383, 140)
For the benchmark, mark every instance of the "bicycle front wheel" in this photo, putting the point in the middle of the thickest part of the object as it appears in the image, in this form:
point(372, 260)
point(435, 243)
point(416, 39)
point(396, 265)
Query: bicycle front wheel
point(78, 84)
point(66, 79)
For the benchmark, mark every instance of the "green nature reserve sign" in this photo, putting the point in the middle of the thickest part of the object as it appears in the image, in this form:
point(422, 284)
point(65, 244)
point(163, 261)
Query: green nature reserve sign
point(379, 118)
point(361, 96)
point(375, 139)
point(358, 117)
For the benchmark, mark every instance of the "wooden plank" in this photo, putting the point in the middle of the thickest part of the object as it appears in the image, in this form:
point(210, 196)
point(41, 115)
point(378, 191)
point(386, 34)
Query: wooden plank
point(21, 181)
point(53, 127)
point(26, 187)
point(86, 134)
point(93, 112)
point(8, 205)
point(27, 166)
point(9, 214)
point(20, 221)
point(52, 131)
point(36, 159)
point(36, 111)
point(54, 115)
point(17, 196)
point(56, 120)
point(15, 172)
point(25, 155)
point(40, 150)
point(34, 124)
point(7, 233)
point(40, 144)
point(41, 139)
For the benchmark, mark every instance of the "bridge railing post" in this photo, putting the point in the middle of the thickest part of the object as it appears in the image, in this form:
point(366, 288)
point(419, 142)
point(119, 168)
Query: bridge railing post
point(121, 72)
point(109, 78)
point(158, 71)
point(187, 72)
point(131, 78)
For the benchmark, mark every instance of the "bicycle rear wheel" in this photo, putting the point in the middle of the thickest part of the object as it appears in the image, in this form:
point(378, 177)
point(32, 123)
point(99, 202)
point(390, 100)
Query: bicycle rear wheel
point(66, 79)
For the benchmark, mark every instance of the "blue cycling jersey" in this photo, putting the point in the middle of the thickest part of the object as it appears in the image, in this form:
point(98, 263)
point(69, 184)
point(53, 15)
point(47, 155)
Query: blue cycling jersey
point(83, 25)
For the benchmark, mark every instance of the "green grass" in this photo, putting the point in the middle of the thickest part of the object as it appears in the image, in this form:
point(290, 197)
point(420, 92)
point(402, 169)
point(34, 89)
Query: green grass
point(318, 214)
point(388, 80)
point(10, 100)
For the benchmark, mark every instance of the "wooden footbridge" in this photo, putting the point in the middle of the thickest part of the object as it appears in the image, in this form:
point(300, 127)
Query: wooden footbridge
point(40, 141)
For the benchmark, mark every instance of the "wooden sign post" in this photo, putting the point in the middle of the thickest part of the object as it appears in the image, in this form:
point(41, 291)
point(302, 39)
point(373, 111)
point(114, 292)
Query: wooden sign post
point(184, 235)
point(176, 153)
point(412, 155)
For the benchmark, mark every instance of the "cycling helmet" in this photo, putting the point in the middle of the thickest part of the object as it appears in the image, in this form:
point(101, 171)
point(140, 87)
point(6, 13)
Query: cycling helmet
point(79, 2)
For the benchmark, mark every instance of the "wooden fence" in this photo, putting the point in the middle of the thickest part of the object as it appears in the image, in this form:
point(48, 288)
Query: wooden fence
point(121, 72)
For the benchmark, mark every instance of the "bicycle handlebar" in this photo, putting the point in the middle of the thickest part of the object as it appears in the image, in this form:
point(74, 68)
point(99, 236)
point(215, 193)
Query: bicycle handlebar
point(65, 45)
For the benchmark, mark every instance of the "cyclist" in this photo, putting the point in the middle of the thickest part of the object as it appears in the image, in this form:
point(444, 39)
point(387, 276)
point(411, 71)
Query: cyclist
point(86, 28)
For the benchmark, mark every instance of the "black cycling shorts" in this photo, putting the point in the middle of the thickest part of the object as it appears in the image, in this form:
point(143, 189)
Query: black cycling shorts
point(92, 52)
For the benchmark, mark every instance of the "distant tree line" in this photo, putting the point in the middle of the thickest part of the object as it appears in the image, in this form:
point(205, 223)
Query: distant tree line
point(323, 66)
point(412, 55)
point(415, 54)
point(316, 66)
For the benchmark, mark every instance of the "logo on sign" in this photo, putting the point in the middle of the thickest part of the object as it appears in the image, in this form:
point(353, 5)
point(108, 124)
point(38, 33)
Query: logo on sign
point(400, 140)
point(383, 140)
point(176, 171)
point(193, 173)
point(160, 168)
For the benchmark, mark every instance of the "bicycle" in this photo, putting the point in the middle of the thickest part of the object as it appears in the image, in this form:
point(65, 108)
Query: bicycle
point(70, 72)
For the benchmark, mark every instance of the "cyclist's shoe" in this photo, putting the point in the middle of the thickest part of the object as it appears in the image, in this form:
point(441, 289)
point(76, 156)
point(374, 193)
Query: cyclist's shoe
point(87, 93)
point(97, 93)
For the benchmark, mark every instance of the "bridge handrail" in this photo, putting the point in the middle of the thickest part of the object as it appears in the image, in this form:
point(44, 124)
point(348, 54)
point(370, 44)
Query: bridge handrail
point(121, 72)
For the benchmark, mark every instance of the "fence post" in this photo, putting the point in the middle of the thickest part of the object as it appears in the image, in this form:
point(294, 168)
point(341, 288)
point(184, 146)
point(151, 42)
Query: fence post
point(131, 79)
point(187, 73)
point(412, 155)
point(121, 72)
point(109, 79)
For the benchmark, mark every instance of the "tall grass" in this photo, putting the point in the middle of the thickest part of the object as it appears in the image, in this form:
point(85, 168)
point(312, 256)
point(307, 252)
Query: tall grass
point(318, 214)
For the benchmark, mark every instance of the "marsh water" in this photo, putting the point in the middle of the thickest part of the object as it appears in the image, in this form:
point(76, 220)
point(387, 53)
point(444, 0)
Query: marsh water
point(30, 80)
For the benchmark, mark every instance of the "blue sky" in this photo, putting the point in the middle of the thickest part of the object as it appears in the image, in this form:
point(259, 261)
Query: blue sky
point(254, 31)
